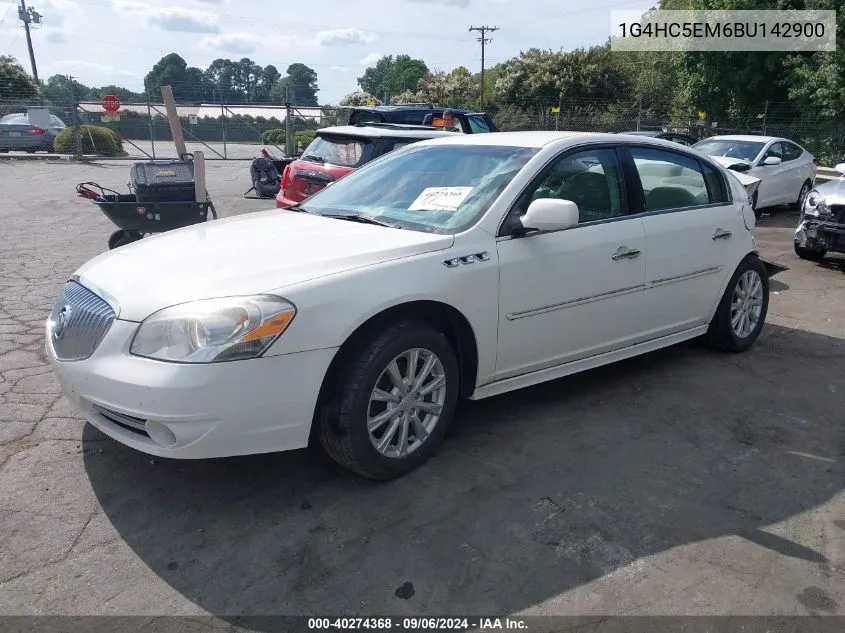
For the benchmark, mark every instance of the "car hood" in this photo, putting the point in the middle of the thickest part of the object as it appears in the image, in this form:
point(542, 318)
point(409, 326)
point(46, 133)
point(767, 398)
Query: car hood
point(726, 161)
point(246, 254)
point(833, 191)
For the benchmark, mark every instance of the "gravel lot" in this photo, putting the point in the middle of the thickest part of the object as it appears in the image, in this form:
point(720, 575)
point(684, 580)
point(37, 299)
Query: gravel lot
point(683, 482)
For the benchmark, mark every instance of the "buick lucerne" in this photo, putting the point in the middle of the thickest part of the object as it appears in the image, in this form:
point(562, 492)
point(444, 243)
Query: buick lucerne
point(459, 267)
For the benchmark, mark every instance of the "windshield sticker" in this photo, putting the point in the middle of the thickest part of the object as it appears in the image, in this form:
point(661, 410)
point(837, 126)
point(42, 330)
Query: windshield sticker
point(440, 199)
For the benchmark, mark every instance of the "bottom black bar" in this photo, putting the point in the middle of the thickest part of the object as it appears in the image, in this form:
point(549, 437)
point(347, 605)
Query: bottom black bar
point(407, 624)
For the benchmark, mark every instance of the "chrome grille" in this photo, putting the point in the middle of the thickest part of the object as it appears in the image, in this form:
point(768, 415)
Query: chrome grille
point(79, 321)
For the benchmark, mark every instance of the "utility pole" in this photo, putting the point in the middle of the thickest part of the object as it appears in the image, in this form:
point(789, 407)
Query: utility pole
point(483, 39)
point(28, 16)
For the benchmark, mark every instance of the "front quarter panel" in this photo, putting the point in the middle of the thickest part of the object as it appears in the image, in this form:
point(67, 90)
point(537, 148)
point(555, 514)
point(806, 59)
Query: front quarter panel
point(330, 309)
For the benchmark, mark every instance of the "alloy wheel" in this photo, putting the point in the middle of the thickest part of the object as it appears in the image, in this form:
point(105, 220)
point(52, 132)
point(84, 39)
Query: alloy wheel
point(406, 402)
point(746, 304)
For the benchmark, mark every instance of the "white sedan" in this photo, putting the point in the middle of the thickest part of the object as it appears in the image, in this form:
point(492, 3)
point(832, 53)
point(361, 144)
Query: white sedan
point(461, 267)
point(787, 171)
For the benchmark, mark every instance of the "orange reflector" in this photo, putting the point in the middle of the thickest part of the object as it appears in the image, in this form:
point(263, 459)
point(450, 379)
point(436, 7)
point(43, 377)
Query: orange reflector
point(274, 326)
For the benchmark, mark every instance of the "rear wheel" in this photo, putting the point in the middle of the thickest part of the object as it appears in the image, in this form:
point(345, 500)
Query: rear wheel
point(809, 254)
point(393, 402)
point(743, 308)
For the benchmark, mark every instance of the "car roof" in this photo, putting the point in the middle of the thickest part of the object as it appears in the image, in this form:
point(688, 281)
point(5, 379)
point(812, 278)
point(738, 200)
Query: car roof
point(532, 138)
point(644, 133)
point(422, 106)
point(379, 131)
point(744, 137)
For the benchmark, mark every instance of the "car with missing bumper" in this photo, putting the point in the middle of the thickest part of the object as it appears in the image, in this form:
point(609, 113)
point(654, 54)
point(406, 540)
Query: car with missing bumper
point(786, 170)
point(455, 268)
point(821, 225)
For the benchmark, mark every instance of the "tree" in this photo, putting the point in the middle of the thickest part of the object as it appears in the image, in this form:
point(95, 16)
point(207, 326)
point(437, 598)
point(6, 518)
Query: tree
point(393, 75)
point(359, 98)
point(456, 89)
point(58, 90)
point(170, 70)
point(302, 82)
point(15, 83)
point(545, 76)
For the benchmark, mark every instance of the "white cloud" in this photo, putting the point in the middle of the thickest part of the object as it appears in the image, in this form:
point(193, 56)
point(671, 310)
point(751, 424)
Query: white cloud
point(56, 37)
point(58, 5)
point(236, 43)
point(370, 59)
point(450, 3)
point(343, 37)
point(176, 19)
point(82, 65)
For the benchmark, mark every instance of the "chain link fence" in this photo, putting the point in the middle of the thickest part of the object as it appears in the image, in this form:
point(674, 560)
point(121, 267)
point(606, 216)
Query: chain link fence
point(825, 138)
point(240, 132)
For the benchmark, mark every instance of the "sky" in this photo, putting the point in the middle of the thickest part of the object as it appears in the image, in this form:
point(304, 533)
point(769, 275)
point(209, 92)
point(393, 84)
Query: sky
point(102, 42)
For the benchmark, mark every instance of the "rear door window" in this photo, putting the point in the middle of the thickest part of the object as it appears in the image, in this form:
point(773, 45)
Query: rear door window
point(344, 151)
point(478, 124)
point(364, 116)
point(791, 152)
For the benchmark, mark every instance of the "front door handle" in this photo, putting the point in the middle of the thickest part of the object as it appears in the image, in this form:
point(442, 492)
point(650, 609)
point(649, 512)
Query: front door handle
point(721, 235)
point(625, 253)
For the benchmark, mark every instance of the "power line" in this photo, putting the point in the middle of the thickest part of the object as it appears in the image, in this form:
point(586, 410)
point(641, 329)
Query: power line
point(483, 39)
point(8, 8)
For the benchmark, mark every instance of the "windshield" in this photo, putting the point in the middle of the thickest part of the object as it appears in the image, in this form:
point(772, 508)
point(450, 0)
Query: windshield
point(434, 188)
point(336, 150)
point(744, 150)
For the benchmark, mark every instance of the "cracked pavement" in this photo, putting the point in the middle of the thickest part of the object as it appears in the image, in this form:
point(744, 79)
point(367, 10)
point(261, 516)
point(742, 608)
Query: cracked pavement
point(682, 482)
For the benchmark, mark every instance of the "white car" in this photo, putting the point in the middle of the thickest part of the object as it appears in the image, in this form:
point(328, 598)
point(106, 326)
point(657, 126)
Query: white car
point(787, 171)
point(461, 267)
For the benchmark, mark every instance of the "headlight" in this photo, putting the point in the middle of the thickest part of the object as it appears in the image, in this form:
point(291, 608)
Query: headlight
point(815, 205)
point(214, 330)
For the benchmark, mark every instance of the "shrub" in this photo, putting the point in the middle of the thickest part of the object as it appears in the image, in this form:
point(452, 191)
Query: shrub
point(273, 137)
point(304, 138)
point(95, 140)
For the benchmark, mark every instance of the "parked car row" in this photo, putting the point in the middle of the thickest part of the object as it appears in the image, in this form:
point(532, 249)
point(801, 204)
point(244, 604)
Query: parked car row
point(786, 170)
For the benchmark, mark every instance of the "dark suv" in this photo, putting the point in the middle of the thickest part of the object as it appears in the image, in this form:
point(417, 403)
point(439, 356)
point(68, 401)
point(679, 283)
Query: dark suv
point(421, 114)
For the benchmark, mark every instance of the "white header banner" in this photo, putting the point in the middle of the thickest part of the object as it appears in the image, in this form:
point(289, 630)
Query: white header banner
point(673, 31)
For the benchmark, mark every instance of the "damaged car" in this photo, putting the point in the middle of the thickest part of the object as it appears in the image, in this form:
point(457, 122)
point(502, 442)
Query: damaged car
point(821, 225)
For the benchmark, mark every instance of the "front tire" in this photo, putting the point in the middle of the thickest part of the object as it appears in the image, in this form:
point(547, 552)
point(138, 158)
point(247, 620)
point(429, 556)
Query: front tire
point(394, 400)
point(802, 196)
point(743, 308)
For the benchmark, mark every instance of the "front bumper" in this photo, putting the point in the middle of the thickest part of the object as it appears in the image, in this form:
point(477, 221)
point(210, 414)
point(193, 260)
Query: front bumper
point(195, 411)
point(817, 234)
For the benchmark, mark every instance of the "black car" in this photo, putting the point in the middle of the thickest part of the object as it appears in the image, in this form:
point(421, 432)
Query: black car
point(421, 114)
point(675, 137)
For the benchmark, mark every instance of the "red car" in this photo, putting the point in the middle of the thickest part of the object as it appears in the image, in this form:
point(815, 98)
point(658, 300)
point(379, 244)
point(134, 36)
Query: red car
point(337, 151)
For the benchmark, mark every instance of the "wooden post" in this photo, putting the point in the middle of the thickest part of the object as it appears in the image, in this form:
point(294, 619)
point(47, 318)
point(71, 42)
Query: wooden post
point(199, 176)
point(173, 119)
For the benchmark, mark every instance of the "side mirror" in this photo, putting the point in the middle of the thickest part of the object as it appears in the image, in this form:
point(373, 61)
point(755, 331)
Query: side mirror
point(772, 160)
point(840, 168)
point(550, 214)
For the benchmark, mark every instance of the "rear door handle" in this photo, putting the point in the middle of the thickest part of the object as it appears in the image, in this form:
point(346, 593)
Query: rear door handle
point(625, 253)
point(721, 235)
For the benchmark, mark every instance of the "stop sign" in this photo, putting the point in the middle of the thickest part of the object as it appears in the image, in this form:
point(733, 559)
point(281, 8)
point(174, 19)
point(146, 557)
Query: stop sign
point(111, 103)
